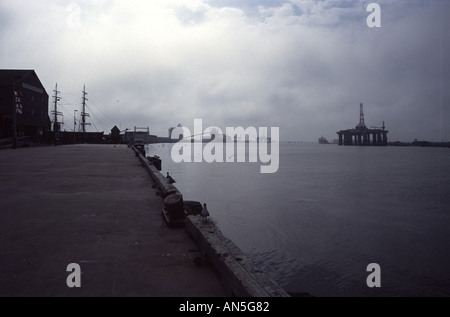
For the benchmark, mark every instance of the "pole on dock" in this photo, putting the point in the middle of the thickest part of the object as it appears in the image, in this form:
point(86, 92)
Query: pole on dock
point(14, 118)
point(74, 126)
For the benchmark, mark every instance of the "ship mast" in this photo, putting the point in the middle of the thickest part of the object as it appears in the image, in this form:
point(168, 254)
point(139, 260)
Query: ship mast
point(83, 113)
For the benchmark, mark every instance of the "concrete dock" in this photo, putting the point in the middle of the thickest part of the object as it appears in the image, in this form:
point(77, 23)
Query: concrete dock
point(92, 205)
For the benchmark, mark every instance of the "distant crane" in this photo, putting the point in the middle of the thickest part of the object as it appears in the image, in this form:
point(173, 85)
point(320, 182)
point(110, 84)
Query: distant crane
point(383, 127)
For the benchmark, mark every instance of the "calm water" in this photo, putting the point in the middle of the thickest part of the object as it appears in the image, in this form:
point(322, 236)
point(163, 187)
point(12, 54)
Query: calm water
point(329, 211)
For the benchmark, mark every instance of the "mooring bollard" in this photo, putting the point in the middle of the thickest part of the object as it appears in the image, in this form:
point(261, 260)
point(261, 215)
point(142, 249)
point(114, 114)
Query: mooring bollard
point(155, 161)
point(174, 212)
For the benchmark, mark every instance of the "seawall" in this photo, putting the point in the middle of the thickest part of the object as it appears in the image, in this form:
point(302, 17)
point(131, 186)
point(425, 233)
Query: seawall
point(237, 272)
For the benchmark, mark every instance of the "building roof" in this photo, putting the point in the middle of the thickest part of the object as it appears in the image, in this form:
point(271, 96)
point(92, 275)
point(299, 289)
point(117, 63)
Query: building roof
point(9, 76)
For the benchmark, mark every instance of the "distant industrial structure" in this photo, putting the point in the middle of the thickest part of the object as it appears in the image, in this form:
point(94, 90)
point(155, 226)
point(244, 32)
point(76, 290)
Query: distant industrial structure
point(139, 133)
point(323, 140)
point(362, 135)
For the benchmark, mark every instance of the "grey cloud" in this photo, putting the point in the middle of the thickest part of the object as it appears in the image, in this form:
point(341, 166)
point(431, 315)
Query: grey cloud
point(301, 65)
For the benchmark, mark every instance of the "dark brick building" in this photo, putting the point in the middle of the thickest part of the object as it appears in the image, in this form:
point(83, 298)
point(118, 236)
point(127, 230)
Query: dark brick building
point(23, 95)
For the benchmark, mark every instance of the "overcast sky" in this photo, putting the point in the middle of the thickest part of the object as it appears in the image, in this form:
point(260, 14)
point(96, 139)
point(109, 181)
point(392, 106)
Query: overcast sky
point(301, 65)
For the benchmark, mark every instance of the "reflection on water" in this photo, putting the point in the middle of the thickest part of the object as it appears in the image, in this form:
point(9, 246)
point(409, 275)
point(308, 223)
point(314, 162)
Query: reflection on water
point(329, 211)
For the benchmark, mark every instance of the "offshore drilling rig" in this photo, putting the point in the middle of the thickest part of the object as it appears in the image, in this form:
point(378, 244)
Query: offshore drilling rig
point(362, 135)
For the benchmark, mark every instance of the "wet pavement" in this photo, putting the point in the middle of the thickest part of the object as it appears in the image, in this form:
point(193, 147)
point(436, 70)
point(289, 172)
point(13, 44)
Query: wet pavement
point(92, 205)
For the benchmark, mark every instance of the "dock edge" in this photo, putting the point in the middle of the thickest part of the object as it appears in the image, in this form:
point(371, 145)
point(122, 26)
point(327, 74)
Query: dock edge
point(239, 276)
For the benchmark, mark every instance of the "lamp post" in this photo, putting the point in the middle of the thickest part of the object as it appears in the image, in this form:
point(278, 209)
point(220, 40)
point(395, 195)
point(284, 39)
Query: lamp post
point(74, 125)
